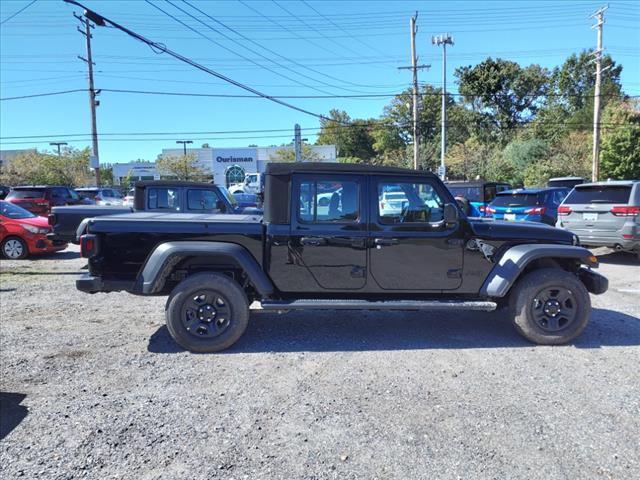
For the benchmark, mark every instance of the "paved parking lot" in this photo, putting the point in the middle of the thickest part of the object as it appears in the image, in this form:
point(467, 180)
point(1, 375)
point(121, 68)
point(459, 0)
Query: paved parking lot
point(92, 386)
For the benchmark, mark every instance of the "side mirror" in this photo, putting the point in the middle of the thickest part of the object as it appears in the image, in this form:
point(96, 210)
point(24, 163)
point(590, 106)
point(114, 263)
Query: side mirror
point(451, 215)
point(220, 205)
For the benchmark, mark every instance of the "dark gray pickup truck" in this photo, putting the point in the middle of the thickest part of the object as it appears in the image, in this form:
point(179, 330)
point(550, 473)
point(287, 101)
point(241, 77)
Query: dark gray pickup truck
point(69, 222)
point(340, 236)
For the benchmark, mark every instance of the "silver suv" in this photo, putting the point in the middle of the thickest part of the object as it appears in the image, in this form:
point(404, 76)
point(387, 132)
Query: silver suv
point(604, 214)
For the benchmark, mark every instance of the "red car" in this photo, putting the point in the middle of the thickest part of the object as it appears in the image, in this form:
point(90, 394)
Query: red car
point(40, 199)
point(22, 233)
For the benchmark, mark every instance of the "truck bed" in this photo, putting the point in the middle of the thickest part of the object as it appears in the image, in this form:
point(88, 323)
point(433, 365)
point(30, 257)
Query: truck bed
point(134, 236)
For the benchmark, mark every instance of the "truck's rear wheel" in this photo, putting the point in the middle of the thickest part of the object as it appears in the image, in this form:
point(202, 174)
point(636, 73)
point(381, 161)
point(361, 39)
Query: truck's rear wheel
point(550, 306)
point(207, 312)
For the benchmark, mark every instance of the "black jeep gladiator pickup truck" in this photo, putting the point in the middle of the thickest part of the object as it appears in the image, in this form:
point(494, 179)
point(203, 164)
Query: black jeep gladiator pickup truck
point(340, 236)
point(172, 196)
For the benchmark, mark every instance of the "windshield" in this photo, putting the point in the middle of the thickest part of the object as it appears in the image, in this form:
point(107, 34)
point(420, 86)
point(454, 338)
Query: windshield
point(473, 194)
point(10, 210)
point(515, 200)
point(395, 196)
point(230, 198)
point(27, 193)
point(90, 194)
point(600, 194)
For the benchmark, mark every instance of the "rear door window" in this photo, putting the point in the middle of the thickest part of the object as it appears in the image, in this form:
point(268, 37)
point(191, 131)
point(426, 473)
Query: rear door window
point(517, 200)
point(600, 194)
point(335, 201)
point(27, 193)
point(163, 198)
point(473, 194)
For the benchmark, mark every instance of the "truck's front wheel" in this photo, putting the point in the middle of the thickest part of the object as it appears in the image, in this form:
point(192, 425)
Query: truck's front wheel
point(550, 306)
point(207, 312)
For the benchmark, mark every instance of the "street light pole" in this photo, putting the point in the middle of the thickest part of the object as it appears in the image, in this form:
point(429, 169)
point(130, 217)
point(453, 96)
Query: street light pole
point(443, 40)
point(58, 144)
point(184, 149)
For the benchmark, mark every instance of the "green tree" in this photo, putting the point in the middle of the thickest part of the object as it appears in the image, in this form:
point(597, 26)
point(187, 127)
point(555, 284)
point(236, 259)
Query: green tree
point(508, 94)
point(574, 81)
point(181, 167)
point(470, 160)
point(70, 169)
point(620, 151)
point(351, 137)
point(288, 154)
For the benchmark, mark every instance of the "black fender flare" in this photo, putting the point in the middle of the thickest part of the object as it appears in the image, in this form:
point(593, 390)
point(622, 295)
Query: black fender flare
point(513, 262)
point(165, 256)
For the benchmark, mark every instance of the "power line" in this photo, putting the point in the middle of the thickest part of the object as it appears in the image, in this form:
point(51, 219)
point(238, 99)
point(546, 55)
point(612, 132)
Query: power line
point(160, 48)
point(48, 94)
point(229, 49)
point(18, 12)
point(584, 126)
point(363, 95)
point(318, 72)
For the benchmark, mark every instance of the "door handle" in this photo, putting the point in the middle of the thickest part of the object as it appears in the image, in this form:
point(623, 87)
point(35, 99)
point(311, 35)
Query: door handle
point(385, 242)
point(313, 241)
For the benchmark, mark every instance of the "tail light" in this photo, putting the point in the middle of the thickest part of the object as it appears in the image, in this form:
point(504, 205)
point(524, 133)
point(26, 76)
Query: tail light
point(536, 211)
point(625, 211)
point(88, 245)
point(52, 219)
point(488, 210)
point(483, 209)
point(381, 205)
point(564, 210)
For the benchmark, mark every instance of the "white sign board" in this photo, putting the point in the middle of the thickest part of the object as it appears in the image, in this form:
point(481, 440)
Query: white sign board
point(223, 158)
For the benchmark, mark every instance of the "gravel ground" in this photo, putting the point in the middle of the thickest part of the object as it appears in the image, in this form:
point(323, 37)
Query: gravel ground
point(93, 386)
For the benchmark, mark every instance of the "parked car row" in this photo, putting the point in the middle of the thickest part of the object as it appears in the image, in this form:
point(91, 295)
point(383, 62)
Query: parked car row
point(601, 214)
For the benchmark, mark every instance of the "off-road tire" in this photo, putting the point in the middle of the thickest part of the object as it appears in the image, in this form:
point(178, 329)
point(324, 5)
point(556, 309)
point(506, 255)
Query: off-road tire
point(23, 244)
point(525, 297)
point(220, 287)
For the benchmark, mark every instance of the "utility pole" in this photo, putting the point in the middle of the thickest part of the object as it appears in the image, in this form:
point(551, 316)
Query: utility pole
point(58, 144)
point(443, 40)
point(595, 166)
point(93, 103)
point(184, 150)
point(415, 67)
point(297, 142)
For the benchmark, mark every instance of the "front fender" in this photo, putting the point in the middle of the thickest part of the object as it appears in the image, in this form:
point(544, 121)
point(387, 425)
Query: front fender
point(166, 255)
point(515, 260)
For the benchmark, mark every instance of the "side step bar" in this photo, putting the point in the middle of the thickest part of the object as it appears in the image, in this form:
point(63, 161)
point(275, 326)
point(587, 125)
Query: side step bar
point(338, 304)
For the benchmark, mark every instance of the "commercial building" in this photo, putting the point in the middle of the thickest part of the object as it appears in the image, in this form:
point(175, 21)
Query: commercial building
point(225, 165)
point(134, 172)
point(7, 155)
point(229, 165)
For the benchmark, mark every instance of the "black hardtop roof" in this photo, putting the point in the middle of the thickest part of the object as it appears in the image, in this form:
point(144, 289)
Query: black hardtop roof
point(173, 183)
point(331, 167)
point(472, 183)
point(31, 187)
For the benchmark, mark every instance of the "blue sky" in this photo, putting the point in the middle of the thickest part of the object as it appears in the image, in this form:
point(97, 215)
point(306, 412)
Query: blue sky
point(347, 47)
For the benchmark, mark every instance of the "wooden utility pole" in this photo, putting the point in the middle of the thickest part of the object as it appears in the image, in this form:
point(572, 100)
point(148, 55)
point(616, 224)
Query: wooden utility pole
point(415, 67)
point(595, 167)
point(93, 103)
point(297, 142)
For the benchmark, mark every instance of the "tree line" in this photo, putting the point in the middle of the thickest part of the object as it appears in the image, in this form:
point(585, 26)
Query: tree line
point(513, 123)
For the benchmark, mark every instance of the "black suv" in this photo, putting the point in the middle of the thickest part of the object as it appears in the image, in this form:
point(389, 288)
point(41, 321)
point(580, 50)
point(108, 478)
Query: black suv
point(329, 240)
